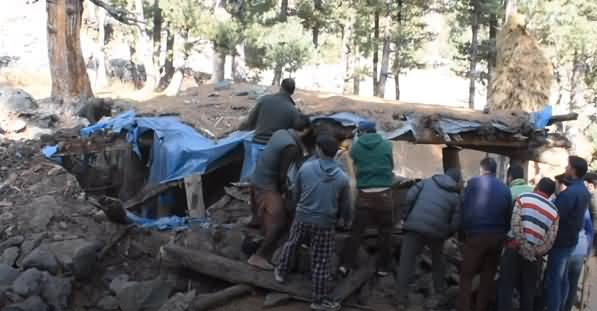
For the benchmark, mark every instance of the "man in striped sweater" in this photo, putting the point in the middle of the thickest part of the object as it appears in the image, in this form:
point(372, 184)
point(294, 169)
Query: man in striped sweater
point(534, 228)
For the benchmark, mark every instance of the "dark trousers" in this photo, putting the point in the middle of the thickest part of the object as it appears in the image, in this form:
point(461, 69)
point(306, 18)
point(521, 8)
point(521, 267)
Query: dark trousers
point(517, 272)
point(322, 242)
point(273, 217)
point(481, 252)
point(372, 208)
point(412, 245)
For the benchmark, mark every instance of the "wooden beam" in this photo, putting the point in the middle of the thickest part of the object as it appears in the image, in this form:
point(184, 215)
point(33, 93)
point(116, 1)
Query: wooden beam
point(239, 272)
point(562, 118)
point(194, 191)
point(149, 193)
point(207, 301)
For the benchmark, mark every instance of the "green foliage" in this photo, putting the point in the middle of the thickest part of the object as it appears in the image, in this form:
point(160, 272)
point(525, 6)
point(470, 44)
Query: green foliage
point(285, 44)
point(411, 34)
point(460, 14)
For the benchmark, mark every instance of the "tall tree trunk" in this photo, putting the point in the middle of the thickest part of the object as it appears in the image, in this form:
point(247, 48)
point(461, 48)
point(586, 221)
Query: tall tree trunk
point(101, 78)
point(473, 53)
point(144, 50)
point(356, 78)
point(283, 10)
point(67, 66)
point(511, 8)
point(219, 66)
point(277, 75)
point(385, 56)
point(169, 63)
point(397, 56)
point(375, 51)
point(176, 82)
point(348, 55)
point(491, 61)
point(157, 37)
point(317, 4)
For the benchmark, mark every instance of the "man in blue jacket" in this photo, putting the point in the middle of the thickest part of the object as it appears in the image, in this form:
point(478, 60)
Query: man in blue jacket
point(486, 217)
point(572, 204)
point(323, 192)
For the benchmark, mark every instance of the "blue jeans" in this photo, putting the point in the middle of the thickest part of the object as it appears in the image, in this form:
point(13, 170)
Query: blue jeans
point(556, 276)
point(575, 266)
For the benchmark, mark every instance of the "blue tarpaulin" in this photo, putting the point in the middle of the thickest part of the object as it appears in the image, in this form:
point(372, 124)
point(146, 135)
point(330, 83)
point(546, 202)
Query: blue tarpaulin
point(178, 149)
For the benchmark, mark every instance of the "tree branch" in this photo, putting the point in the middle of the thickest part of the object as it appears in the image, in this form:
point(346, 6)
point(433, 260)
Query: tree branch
point(120, 14)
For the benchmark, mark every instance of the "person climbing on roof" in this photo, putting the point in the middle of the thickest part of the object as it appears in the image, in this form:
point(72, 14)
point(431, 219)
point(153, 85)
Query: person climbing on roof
point(534, 226)
point(517, 182)
point(270, 187)
point(323, 194)
point(373, 164)
point(486, 214)
point(271, 113)
point(433, 216)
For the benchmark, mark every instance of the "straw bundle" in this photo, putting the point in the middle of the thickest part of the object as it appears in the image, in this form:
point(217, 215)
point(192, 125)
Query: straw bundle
point(524, 74)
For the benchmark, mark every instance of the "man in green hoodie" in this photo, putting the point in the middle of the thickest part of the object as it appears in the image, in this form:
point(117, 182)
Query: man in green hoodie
point(374, 165)
point(517, 182)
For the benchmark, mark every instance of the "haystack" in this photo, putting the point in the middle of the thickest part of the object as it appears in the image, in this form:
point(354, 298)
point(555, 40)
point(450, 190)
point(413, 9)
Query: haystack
point(524, 74)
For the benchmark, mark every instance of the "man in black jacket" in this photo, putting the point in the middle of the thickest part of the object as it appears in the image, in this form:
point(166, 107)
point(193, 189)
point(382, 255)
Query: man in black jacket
point(271, 113)
point(433, 215)
point(270, 187)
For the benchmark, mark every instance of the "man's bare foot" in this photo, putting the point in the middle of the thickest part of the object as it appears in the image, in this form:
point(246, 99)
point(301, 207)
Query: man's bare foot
point(260, 262)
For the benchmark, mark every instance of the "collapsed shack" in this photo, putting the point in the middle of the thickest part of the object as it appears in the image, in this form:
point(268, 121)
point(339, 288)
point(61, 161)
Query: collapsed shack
point(125, 168)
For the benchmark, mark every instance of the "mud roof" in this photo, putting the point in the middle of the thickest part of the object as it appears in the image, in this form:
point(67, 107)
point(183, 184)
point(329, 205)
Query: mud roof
point(218, 113)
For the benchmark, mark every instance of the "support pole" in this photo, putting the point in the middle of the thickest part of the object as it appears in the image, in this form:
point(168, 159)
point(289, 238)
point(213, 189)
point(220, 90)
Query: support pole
point(450, 157)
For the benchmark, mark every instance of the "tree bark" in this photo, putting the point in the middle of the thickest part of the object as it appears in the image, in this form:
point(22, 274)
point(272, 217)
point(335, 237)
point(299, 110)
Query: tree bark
point(473, 53)
point(67, 66)
point(169, 63)
point(277, 75)
point(348, 54)
point(356, 78)
point(375, 51)
point(283, 10)
point(397, 52)
point(144, 49)
point(157, 37)
point(317, 5)
point(385, 56)
point(219, 66)
point(491, 61)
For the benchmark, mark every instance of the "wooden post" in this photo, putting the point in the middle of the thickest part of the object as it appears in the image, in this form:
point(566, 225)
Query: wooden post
point(523, 163)
point(194, 191)
point(450, 157)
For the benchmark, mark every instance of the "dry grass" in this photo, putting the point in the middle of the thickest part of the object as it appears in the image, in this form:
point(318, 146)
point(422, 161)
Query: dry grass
point(524, 74)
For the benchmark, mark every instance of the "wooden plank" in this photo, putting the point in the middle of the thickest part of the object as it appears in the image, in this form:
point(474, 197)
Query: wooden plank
point(149, 193)
point(194, 191)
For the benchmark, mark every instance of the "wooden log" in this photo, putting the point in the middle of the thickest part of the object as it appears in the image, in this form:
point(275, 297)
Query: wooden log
point(241, 273)
point(233, 271)
point(149, 193)
point(194, 192)
point(207, 301)
point(562, 118)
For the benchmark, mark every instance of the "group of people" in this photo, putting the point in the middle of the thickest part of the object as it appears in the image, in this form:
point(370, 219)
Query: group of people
point(305, 197)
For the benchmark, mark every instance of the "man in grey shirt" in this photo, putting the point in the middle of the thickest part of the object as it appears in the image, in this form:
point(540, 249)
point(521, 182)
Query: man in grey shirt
point(323, 193)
